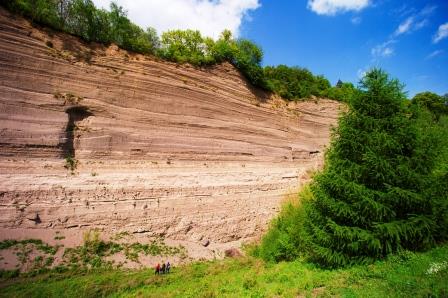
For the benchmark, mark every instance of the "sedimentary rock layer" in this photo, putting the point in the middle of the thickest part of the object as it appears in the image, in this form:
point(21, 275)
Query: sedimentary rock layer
point(96, 137)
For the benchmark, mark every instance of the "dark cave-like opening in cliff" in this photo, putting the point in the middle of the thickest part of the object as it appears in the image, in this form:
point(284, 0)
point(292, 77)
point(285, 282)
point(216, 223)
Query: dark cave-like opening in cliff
point(75, 114)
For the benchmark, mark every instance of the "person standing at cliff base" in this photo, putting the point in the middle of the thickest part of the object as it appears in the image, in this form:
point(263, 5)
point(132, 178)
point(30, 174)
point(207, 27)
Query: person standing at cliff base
point(157, 269)
point(168, 267)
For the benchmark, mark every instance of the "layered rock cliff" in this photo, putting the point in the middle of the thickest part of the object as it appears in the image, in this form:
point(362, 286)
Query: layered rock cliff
point(96, 137)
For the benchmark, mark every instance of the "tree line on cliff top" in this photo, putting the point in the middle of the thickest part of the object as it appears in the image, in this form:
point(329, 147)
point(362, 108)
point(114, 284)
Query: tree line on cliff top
point(81, 18)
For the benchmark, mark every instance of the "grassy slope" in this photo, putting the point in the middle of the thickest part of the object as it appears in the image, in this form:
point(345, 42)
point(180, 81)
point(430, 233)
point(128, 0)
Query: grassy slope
point(404, 275)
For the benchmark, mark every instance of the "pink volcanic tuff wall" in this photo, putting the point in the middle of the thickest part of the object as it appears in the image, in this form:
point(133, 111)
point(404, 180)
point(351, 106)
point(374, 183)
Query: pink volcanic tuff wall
point(162, 149)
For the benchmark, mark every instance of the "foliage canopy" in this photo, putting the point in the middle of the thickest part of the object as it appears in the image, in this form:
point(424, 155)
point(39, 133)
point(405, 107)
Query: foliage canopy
point(437, 105)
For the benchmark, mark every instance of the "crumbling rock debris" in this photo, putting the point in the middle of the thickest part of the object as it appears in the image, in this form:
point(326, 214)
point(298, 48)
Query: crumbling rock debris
point(232, 253)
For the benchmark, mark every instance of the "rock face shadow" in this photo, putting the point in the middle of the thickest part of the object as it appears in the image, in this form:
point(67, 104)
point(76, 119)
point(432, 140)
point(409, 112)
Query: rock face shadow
point(75, 114)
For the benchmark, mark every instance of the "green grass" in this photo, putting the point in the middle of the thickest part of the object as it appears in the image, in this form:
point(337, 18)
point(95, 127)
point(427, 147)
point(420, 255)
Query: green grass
point(92, 254)
point(40, 245)
point(403, 275)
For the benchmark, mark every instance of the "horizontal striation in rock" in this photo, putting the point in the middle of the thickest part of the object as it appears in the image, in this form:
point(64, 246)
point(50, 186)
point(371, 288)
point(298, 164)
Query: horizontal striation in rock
point(170, 149)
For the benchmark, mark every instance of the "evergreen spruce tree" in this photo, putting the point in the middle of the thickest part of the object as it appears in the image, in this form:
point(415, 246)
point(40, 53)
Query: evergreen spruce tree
point(339, 84)
point(370, 198)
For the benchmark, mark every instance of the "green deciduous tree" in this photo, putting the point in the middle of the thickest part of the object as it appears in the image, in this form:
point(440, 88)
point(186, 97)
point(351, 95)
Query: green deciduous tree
point(153, 38)
point(294, 82)
point(342, 92)
point(40, 11)
point(224, 48)
point(247, 58)
point(434, 103)
point(183, 46)
point(85, 21)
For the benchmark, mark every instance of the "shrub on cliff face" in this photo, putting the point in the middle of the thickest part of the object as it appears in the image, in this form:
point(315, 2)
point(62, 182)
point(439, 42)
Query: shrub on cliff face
point(285, 239)
point(373, 196)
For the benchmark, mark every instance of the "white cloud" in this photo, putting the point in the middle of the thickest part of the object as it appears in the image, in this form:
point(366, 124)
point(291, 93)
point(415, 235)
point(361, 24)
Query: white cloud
point(404, 26)
point(429, 9)
point(356, 20)
point(332, 7)
point(361, 72)
point(412, 23)
point(383, 50)
point(441, 33)
point(210, 17)
point(387, 52)
point(416, 21)
point(404, 10)
point(434, 54)
point(421, 24)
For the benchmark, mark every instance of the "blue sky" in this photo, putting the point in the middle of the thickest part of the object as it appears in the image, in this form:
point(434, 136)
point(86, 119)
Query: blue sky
point(340, 39)
point(347, 43)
